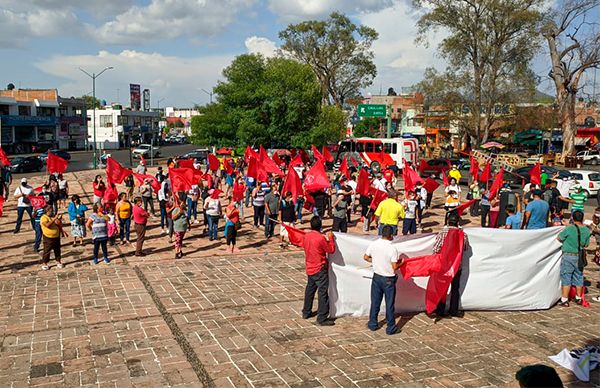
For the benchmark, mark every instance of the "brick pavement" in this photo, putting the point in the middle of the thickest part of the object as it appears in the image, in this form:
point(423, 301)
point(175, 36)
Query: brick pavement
point(221, 320)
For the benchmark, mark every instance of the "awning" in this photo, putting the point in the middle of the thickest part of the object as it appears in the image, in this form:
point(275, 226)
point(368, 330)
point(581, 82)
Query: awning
point(581, 141)
point(46, 103)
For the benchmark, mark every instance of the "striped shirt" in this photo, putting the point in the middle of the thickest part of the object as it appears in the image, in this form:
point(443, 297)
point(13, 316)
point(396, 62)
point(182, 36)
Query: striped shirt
point(98, 227)
point(579, 199)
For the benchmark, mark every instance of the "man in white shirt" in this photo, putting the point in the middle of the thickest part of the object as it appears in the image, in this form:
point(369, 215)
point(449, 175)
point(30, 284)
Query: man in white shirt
point(380, 183)
point(22, 193)
point(386, 260)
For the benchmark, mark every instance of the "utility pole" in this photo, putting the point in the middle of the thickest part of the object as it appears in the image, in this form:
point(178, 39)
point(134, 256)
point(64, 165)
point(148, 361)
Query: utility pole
point(389, 121)
point(93, 76)
point(210, 94)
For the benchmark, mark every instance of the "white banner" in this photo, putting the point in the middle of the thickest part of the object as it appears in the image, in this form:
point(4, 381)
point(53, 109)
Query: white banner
point(501, 270)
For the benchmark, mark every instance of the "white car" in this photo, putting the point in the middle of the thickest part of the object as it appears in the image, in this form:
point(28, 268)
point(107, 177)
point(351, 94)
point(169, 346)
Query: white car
point(589, 180)
point(144, 149)
point(590, 156)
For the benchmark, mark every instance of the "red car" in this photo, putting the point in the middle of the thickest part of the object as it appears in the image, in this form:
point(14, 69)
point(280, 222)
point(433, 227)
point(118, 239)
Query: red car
point(434, 166)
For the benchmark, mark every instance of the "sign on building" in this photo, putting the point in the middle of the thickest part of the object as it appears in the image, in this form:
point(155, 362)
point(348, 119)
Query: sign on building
point(372, 110)
point(135, 96)
point(147, 100)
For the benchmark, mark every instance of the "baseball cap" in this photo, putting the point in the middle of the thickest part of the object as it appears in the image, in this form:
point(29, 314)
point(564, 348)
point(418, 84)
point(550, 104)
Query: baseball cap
point(23, 180)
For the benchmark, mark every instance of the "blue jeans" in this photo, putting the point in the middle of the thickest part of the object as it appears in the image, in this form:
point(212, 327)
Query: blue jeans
point(394, 229)
point(298, 207)
point(240, 206)
point(100, 243)
point(570, 275)
point(124, 228)
point(213, 227)
point(20, 211)
point(269, 226)
point(409, 226)
point(192, 209)
point(248, 194)
point(38, 236)
point(383, 286)
point(163, 214)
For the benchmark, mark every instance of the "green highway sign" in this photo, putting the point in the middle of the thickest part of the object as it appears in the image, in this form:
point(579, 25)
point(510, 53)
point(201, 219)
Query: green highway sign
point(372, 110)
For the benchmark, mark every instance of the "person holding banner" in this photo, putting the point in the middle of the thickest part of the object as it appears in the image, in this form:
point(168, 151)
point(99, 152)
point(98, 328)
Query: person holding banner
point(389, 212)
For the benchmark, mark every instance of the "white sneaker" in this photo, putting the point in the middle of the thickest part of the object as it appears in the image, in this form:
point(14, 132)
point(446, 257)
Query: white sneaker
point(45, 267)
point(596, 298)
point(60, 265)
point(163, 231)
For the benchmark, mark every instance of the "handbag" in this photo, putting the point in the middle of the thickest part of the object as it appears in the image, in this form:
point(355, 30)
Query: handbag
point(582, 259)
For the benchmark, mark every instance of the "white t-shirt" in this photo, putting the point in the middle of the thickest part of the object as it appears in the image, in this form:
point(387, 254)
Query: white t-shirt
point(455, 188)
point(383, 253)
point(379, 185)
point(353, 185)
point(26, 191)
point(410, 206)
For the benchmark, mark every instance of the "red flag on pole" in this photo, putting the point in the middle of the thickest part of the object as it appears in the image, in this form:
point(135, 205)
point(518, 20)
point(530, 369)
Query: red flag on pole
point(461, 208)
point(3, 158)
point(498, 182)
point(182, 179)
point(213, 162)
point(228, 167)
point(474, 170)
point(378, 197)
point(316, 154)
point(316, 178)
point(296, 236)
point(153, 182)
point(535, 174)
point(344, 168)
point(293, 184)
point(115, 173)
point(185, 163)
point(364, 183)
point(257, 171)
point(56, 164)
point(110, 194)
point(297, 161)
point(410, 177)
point(430, 185)
point(277, 159)
point(250, 153)
point(268, 164)
point(37, 201)
point(327, 155)
point(239, 191)
point(445, 179)
point(486, 174)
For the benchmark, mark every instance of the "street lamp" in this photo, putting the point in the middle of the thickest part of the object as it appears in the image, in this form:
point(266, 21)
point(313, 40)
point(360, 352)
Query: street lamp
point(93, 76)
point(210, 94)
point(158, 104)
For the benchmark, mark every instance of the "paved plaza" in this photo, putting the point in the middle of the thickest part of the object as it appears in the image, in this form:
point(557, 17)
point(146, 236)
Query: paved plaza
point(215, 319)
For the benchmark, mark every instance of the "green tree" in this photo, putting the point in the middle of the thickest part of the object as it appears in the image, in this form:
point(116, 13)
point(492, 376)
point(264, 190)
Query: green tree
point(91, 101)
point(338, 51)
point(213, 126)
point(329, 128)
point(367, 127)
point(489, 47)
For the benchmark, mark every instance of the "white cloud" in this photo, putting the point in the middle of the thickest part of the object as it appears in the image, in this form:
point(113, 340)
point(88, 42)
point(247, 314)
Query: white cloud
point(176, 79)
point(167, 19)
point(260, 45)
point(296, 10)
point(17, 27)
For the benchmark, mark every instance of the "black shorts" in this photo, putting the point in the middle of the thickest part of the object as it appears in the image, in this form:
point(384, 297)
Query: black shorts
point(62, 194)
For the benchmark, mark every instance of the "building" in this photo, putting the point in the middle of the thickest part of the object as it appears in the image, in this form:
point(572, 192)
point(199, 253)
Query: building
point(182, 115)
point(119, 128)
point(72, 123)
point(406, 111)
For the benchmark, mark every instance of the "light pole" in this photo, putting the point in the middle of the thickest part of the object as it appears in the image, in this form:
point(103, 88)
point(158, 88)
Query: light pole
point(210, 94)
point(158, 104)
point(93, 76)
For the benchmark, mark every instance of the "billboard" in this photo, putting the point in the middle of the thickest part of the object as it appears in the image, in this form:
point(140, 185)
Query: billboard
point(146, 97)
point(135, 97)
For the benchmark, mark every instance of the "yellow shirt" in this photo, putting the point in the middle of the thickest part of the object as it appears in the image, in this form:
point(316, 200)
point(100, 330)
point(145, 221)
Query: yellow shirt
point(455, 174)
point(51, 232)
point(389, 212)
point(125, 210)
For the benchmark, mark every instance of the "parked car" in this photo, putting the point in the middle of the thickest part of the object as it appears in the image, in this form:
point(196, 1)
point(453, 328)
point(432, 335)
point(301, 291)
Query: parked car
point(435, 167)
point(26, 164)
point(200, 154)
point(591, 156)
point(521, 175)
point(589, 180)
point(144, 150)
point(60, 153)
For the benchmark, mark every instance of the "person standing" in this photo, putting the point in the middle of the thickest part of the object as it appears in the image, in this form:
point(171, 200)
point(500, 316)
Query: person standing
point(386, 260)
point(421, 196)
point(389, 212)
point(513, 215)
point(140, 219)
point(455, 174)
point(97, 224)
point(99, 188)
point(232, 212)
point(141, 168)
point(340, 209)
point(316, 248)
point(192, 203)
point(163, 197)
point(484, 208)
point(76, 212)
point(181, 223)
point(22, 194)
point(411, 205)
point(574, 238)
point(53, 188)
point(51, 224)
point(212, 205)
point(287, 216)
point(250, 183)
point(258, 203)
point(476, 196)
point(272, 200)
point(37, 214)
point(365, 211)
point(129, 184)
point(123, 212)
point(146, 192)
point(577, 198)
point(536, 212)
point(63, 191)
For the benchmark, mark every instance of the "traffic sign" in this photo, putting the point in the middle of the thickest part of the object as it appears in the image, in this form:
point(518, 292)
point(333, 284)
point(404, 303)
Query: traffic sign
point(372, 110)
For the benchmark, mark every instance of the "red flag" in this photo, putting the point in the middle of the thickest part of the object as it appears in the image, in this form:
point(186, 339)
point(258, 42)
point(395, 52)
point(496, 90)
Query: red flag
point(3, 158)
point(153, 182)
point(257, 171)
point(411, 178)
point(431, 185)
point(1, 205)
point(182, 179)
point(474, 170)
point(110, 194)
point(239, 191)
point(364, 183)
point(498, 182)
point(316, 178)
point(228, 167)
point(316, 154)
point(304, 156)
point(268, 164)
point(213, 162)
point(250, 153)
point(421, 266)
point(327, 155)
point(486, 174)
point(535, 174)
point(344, 168)
point(445, 179)
point(277, 159)
point(142, 160)
point(293, 184)
point(296, 236)
point(115, 173)
point(378, 197)
point(461, 208)
point(37, 201)
point(297, 161)
point(56, 164)
point(185, 163)
point(215, 194)
point(423, 165)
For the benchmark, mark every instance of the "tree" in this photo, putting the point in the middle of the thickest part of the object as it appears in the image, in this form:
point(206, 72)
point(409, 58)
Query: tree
point(488, 49)
point(329, 128)
point(367, 127)
point(574, 48)
point(90, 102)
point(213, 126)
point(338, 51)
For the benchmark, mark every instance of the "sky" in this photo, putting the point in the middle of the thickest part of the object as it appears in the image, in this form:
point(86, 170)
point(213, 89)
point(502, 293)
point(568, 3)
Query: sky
point(177, 48)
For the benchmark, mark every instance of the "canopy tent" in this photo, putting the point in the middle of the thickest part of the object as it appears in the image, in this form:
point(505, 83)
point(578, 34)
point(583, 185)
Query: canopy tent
point(530, 137)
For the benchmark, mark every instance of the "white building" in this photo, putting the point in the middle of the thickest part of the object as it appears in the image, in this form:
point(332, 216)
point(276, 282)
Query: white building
point(181, 114)
point(119, 128)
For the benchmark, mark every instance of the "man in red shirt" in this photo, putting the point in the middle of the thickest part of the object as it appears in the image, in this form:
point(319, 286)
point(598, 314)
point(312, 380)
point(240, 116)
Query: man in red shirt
point(140, 218)
point(316, 247)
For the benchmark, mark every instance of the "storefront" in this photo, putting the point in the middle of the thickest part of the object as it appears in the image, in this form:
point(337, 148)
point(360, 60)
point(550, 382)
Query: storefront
point(26, 134)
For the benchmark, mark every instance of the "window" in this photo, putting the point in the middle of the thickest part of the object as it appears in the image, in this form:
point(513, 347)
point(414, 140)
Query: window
point(45, 111)
point(122, 120)
point(594, 177)
point(395, 148)
point(387, 147)
point(578, 176)
point(78, 112)
point(360, 147)
point(368, 147)
point(137, 121)
point(378, 147)
point(106, 121)
point(3, 109)
point(63, 111)
point(24, 110)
